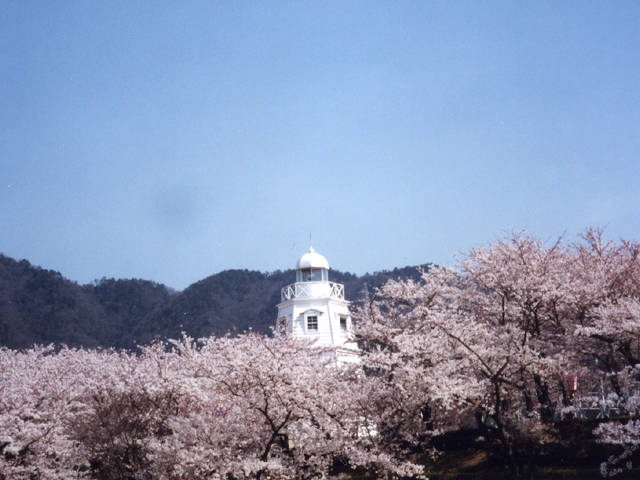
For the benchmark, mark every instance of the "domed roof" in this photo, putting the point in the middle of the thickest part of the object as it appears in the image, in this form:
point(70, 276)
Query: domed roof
point(312, 259)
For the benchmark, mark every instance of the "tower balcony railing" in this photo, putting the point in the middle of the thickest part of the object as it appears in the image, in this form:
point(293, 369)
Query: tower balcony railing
point(312, 289)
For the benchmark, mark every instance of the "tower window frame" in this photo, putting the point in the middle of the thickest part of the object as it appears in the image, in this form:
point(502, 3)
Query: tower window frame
point(312, 275)
point(312, 323)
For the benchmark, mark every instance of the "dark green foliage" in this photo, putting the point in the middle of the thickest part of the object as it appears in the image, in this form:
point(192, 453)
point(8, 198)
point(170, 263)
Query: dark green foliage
point(232, 301)
point(39, 306)
point(126, 303)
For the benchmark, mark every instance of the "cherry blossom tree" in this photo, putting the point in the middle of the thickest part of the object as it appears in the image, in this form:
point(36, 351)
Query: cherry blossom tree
point(242, 408)
point(607, 337)
point(261, 407)
point(443, 361)
point(36, 401)
point(127, 404)
point(495, 338)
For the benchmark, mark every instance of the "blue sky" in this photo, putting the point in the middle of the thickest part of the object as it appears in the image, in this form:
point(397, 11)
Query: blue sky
point(172, 140)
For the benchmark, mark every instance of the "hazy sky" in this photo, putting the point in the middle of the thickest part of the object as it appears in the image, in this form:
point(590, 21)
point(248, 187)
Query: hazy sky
point(172, 140)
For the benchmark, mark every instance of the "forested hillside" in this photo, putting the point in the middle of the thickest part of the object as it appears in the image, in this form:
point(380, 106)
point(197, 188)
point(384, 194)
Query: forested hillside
point(39, 306)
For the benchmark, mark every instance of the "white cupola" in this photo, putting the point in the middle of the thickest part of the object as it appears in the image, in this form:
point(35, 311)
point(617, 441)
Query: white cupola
point(312, 267)
point(315, 308)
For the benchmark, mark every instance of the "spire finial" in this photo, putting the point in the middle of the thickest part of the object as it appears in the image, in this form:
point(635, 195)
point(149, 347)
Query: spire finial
point(310, 244)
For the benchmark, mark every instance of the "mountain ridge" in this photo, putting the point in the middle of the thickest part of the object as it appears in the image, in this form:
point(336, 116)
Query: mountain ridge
point(40, 306)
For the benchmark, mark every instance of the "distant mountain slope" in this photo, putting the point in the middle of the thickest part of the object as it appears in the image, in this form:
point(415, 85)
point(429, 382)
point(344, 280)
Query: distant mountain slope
point(126, 303)
point(229, 302)
point(40, 306)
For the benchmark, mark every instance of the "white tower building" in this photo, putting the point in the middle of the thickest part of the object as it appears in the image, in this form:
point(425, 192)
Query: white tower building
point(315, 308)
